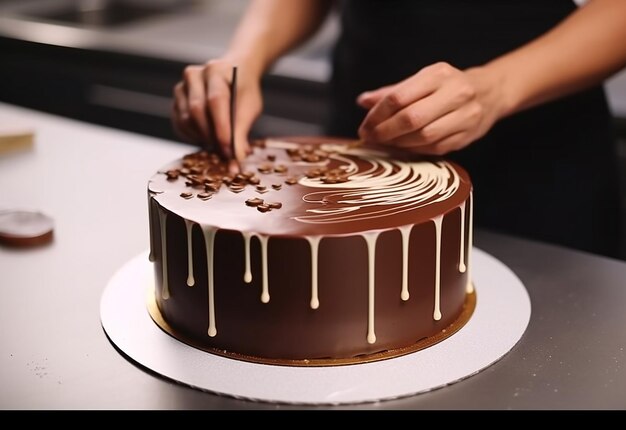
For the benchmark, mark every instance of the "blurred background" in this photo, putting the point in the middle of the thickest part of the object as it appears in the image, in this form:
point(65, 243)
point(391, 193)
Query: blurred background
point(115, 62)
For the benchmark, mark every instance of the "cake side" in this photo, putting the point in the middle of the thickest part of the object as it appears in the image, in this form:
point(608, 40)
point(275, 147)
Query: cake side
point(341, 292)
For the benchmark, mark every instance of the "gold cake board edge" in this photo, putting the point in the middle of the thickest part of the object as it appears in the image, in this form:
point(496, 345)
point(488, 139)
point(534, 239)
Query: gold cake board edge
point(468, 309)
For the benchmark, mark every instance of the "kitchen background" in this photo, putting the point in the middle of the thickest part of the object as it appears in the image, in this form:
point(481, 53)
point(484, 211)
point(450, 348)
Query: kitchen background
point(115, 63)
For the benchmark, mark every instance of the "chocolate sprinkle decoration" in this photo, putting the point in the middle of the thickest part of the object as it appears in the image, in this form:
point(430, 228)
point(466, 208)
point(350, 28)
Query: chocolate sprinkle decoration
point(185, 195)
point(237, 188)
point(172, 175)
point(254, 202)
point(204, 196)
point(277, 186)
point(275, 205)
point(265, 168)
point(307, 153)
point(263, 208)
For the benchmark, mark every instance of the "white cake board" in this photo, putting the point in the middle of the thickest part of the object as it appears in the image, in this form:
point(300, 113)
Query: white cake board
point(499, 320)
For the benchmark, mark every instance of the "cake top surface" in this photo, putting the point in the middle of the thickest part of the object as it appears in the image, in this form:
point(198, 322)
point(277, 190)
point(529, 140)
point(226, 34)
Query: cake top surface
point(310, 186)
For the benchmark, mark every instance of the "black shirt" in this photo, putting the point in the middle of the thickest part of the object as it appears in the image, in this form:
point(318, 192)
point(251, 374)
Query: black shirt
point(548, 173)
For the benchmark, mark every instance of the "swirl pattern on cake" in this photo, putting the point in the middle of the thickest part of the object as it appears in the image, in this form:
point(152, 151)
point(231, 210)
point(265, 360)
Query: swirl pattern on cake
point(383, 187)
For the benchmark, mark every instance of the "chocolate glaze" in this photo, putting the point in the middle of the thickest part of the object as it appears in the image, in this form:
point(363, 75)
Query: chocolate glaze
point(287, 327)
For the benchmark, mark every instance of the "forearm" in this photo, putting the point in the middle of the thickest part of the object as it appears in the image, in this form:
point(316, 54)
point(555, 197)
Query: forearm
point(583, 50)
point(270, 28)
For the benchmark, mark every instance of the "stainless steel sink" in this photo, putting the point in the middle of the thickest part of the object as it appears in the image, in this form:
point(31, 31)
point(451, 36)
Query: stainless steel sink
point(102, 13)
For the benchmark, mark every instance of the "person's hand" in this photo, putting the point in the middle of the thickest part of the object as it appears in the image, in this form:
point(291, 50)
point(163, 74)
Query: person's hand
point(438, 110)
point(201, 108)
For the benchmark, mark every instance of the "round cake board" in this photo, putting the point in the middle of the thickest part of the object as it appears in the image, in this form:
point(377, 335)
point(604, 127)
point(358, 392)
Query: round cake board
point(501, 316)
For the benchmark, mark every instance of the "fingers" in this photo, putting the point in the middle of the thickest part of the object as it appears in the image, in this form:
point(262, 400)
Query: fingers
point(246, 114)
point(437, 110)
point(368, 99)
point(201, 108)
point(443, 147)
point(181, 121)
point(218, 105)
point(448, 133)
point(195, 87)
point(417, 115)
point(414, 88)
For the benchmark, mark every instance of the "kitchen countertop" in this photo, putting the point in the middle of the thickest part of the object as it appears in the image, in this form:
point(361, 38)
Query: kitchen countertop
point(92, 180)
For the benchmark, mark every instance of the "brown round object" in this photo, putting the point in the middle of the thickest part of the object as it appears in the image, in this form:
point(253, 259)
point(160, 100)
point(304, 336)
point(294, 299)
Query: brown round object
point(346, 270)
point(23, 229)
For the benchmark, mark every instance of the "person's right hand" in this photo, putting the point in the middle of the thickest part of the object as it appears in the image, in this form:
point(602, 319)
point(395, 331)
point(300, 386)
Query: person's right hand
point(201, 108)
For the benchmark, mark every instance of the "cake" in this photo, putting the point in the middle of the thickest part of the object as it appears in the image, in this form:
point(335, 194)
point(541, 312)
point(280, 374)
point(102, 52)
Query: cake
point(317, 251)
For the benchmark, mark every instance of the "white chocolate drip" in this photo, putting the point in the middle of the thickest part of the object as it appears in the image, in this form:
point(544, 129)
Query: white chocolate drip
point(462, 266)
point(209, 241)
point(151, 255)
point(190, 279)
point(470, 244)
point(438, 223)
point(314, 241)
point(165, 293)
point(265, 291)
point(247, 275)
point(370, 239)
point(405, 231)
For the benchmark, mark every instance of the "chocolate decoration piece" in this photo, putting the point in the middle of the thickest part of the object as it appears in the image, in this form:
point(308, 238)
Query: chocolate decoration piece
point(172, 174)
point(204, 196)
point(265, 168)
point(254, 202)
point(236, 188)
point(367, 255)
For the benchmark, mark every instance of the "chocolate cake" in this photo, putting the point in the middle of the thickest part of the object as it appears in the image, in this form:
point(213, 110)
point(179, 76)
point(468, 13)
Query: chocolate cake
point(319, 251)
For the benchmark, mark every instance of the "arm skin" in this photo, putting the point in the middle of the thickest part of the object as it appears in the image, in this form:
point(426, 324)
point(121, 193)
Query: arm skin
point(442, 109)
point(267, 30)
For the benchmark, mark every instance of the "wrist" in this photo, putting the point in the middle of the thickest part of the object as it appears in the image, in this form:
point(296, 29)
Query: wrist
point(252, 64)
point(495, 87)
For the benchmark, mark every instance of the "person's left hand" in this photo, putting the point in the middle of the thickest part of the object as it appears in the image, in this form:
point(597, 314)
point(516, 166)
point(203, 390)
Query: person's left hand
point(437, 110)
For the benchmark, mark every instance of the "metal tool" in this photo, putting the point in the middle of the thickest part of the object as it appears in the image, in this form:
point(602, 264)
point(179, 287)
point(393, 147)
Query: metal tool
point(233, 108)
